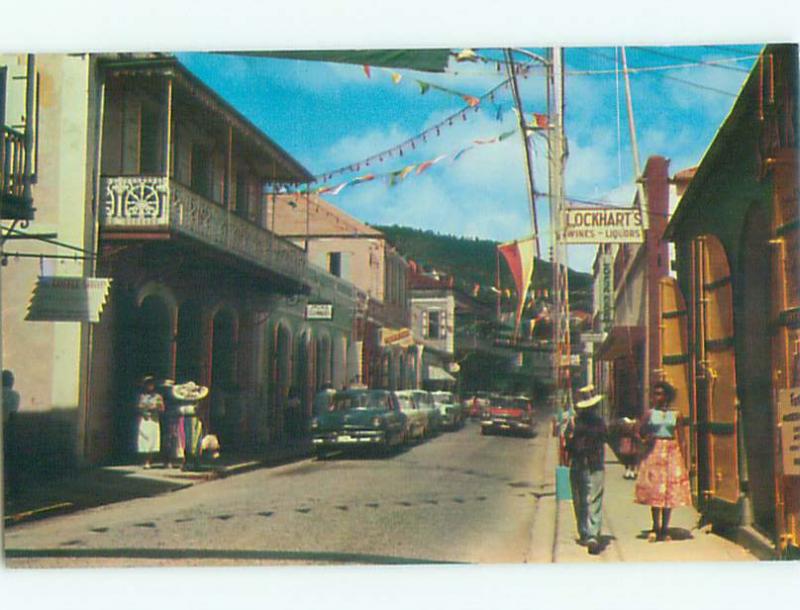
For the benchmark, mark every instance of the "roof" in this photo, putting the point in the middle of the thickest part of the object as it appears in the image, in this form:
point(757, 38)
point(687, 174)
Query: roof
point(309, 215)
point(169, 65)
point(727, 133)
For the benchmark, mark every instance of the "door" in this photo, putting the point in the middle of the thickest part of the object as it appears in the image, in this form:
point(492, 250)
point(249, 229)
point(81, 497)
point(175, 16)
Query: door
point(715, 374)
point(675, 362)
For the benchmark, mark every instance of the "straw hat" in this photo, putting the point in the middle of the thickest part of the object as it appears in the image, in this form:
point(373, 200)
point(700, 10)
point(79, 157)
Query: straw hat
point(589, 402)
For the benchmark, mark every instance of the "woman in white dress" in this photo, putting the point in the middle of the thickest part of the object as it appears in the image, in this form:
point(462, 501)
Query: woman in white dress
point(150, 406)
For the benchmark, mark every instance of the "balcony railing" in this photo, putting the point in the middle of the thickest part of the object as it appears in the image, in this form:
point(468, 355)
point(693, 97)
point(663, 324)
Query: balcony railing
point(158, 203)
point(15, 199)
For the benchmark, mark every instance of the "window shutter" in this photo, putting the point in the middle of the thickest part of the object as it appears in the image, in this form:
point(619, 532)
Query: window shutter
point(425, 324)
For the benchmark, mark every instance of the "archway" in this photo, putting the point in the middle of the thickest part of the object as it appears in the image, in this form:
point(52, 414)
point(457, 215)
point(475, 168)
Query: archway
point(281, 378)
point(224, 413)
point(755, 387)
point(324, 362)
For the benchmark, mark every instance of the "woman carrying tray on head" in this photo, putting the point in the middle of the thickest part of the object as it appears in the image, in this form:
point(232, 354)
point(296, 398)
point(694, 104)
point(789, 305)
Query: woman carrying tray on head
point(188, 396)
point(663, 481)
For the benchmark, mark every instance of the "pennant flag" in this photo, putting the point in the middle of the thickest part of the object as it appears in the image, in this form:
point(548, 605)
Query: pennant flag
point(540, 120)
point(472, 101)
point(406, 171)
point(396, 78)
point(426, 164)
point(458, 155)
point(423, 87)
point(506, 135)
point(485, 141)
point(366, 71)
point(499, 112)
point(466, 55)
point(339, 188)
point(364, 178)
point(520, 257)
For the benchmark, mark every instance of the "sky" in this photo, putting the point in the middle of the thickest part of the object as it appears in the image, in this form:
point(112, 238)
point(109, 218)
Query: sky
point(333, 115)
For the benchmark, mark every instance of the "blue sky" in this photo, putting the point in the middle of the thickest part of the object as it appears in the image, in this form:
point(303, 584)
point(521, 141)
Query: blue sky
point(332, 115)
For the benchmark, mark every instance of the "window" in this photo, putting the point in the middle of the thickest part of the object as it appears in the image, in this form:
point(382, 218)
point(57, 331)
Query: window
point(242, 194)
point(335, 263)
point(201, 170)
point(150, 141)
point(434, 324)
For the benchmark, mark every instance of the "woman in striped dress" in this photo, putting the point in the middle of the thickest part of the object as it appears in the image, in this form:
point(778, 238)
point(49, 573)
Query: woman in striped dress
point(663, 481)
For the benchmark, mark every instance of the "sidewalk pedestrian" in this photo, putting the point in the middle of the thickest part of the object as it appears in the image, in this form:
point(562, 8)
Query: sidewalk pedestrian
point(149, 406)
point(585, 439)
point(663, 481)
point(172, 430)
point(189, 395)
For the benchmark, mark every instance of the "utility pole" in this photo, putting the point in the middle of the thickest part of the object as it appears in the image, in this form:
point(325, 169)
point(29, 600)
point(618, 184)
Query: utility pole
point(556, 150)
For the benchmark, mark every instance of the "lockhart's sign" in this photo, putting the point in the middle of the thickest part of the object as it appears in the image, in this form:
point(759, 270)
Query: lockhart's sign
point(68, 299)
point(319, 311)
point(789, 418)
point(601, 225)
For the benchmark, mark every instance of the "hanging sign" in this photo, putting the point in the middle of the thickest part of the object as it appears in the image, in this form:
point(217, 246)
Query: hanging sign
point(319, 311)
point(68, 299)
point(789, 418)
point(596, 225)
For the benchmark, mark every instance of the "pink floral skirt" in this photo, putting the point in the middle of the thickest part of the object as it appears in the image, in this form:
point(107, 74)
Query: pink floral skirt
point(663, 480)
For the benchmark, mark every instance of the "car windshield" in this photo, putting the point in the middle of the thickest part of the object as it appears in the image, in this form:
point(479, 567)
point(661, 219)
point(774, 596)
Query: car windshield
point(518, 403)
point(423, 398)
point(442, 397)
point(361, 399)
point(406, 402)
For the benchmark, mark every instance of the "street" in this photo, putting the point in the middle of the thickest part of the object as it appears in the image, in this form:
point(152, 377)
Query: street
point(459, 497)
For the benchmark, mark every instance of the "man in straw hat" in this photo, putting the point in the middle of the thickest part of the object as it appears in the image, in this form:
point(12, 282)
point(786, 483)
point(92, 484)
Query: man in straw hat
point(586, 436)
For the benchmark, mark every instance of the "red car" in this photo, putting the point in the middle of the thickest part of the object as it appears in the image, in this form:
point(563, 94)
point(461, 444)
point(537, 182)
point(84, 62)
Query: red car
point(509, 414)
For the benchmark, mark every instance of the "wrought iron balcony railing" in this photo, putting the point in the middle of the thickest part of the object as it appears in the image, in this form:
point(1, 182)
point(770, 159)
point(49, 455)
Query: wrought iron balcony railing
point(156, 203)
point(14, 196)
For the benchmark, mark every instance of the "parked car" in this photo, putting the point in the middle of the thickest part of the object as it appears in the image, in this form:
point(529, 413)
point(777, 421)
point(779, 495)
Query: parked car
point(359, 418)
point(425, 403)
point(449, 409)
point(509, 414)
point(416, 418)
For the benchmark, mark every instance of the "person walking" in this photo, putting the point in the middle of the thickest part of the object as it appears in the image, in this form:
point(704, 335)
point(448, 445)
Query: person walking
point(188, 395)
point(149, 407)
point(10, 442)
point(663, 481)
point(585, 439)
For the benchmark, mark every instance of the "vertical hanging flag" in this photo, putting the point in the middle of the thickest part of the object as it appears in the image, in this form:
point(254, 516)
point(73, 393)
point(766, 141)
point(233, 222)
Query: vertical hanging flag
point(520, 256)
point(366, 71)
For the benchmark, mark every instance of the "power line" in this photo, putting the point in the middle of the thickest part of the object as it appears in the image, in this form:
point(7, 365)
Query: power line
point(675, 78)
point(714, 64)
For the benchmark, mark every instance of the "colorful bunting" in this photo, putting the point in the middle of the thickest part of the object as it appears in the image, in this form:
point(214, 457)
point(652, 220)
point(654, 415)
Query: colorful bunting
point(396, 78)
point(367, 71)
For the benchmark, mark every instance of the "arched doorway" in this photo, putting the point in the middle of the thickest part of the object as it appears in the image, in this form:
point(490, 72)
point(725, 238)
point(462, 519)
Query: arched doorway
point(153, 341)
point(281, 378)
point(302, 385)
point(324, 362)
point(224, 413)
point(755, 379)
point(189, 342)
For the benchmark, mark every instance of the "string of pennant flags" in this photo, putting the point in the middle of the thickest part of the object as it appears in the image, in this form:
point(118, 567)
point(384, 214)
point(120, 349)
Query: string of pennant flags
point(415, 169)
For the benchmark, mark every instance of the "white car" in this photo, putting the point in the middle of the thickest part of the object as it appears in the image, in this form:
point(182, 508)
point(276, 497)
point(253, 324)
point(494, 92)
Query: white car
point(416, 418)
point(449, 408)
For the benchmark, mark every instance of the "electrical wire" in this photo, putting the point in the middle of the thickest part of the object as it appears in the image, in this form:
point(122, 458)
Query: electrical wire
point(664, 76)
point(715, 64)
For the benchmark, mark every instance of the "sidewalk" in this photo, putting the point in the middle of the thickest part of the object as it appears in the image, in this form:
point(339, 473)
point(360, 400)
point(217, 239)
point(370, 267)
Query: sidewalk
point(97, 486)
point(625, 528)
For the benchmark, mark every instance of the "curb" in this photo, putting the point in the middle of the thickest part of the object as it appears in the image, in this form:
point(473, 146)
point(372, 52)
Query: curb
point(543, 536)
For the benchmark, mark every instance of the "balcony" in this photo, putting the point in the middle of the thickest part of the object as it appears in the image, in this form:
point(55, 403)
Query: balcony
point(16, 202)
point(156, 204)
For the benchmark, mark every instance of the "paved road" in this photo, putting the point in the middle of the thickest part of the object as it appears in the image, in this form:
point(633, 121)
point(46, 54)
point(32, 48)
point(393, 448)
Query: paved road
point(460, 497)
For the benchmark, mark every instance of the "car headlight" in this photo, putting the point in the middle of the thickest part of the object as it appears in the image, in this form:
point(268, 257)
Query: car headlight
point(377, 422)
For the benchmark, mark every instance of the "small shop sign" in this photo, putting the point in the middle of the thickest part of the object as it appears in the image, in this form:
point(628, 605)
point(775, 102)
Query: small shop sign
point(597, 225)
point(319, 311)
point(68, 299)
point(789, 421)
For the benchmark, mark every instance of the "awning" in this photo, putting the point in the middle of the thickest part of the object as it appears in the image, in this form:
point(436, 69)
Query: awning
point(437, 373)
point(621, 341)
point(425, 60)
point(396, 337)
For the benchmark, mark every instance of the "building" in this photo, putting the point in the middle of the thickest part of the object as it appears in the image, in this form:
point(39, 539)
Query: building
point(383, 353)
point(626, 281)
point(737, 239)
point(433, 324)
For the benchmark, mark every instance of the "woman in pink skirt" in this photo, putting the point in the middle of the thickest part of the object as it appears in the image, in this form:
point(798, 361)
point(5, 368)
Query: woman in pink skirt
point(663, 481)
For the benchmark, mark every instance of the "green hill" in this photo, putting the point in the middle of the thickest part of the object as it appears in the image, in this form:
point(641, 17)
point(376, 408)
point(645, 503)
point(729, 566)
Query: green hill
point(473, 261)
